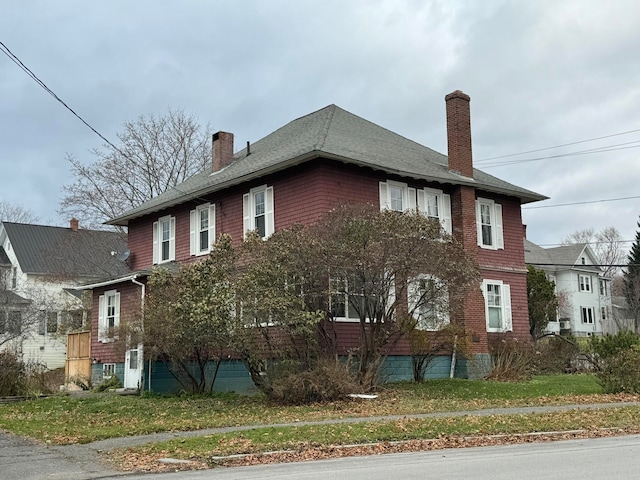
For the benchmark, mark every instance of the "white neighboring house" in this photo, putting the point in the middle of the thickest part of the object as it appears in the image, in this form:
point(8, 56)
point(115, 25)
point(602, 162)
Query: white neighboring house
point(40, 269)
point(585, 294)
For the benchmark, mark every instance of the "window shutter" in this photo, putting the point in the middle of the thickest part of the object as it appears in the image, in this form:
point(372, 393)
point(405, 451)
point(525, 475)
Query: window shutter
point(411, 200)
point(498, 226)
point(116, 320)
point(246, 213)
point(422, 207)
point(506, 308)
point(212, 225)
point(172, 238)
point(478, 223)
point(384, 196)
point(155, 242)
point(42, 324)
point(446, 213)
point(193, 221)
point(269, 221)
point(101, 319)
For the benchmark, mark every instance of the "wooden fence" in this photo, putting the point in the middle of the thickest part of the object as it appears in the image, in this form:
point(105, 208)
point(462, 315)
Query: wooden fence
point(78, 364)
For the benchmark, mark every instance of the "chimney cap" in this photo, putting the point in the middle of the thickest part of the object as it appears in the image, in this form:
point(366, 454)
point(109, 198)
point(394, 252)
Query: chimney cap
point(457, 94)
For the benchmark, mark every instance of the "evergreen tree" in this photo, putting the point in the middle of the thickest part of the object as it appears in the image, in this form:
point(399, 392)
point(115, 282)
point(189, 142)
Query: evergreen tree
point(542, 300)
point(632, 279)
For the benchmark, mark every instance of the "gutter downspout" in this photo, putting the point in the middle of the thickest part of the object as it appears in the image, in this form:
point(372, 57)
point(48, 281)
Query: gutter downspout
point(143, 290)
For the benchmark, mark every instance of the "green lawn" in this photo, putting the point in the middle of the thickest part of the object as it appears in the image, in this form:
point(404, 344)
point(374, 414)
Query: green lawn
point(69, 419)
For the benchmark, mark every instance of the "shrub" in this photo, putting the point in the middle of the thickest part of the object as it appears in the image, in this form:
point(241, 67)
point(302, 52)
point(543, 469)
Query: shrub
point(602, 348)
point(512, 361)
point(111, 383)
point(621, 372)
point(13, 375)
point(329, 380)
point(557, 355)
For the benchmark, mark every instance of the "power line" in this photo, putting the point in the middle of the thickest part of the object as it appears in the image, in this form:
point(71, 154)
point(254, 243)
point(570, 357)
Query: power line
point(582, 203)
point(559, 146)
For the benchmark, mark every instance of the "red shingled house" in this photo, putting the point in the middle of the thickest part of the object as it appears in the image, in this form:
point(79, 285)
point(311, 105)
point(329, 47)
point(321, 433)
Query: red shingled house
point(295, 175)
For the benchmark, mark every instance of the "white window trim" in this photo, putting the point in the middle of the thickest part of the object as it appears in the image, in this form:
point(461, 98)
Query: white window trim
point(108, 370)
point(505, 296)
point(497, 234)
point(249, 209)
point(413, 296)
point(157, 243)
point(585, 281)
point(194, 229)
point(444, 206)
point(102, 314)
point(585, 318)
point(408, 195)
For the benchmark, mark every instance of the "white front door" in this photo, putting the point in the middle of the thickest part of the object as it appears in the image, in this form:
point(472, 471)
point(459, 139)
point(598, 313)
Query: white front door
point(133, 368)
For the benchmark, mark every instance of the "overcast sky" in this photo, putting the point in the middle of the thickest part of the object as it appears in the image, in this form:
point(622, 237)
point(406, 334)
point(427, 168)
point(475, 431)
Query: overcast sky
point(540, 74)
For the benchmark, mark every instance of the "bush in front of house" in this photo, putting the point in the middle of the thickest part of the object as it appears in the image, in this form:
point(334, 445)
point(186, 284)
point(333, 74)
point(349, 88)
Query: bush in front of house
point(13, 375)
point(620, 373)
point(512, 360)
point(329, 380)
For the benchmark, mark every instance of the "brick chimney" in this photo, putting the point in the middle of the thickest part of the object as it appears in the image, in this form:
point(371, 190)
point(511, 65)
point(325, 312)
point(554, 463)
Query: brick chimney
point(459, 133)
point(73, 224)
point(222, 150)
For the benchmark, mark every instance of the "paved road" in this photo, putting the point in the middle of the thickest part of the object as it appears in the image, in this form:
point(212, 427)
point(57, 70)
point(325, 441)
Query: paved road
point(21, 459)
point(614, 458)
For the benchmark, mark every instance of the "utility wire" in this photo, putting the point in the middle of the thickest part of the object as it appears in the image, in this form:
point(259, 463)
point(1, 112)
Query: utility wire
point(558, 146)
point(582, 203)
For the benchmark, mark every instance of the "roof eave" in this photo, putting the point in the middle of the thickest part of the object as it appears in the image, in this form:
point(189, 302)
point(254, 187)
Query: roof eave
point(123, 220)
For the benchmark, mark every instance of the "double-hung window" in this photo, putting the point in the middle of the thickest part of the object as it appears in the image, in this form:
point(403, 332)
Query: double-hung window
point(203, 229)
point(48, 323)
point(489, 224)
point(435, 205)
point(346, 299)
point(108, 314)
point(587, 314)
point(164, 240)
point(497, 302)
point(428, 300)
point(257, 207)
point(397, 196)
point(584, 281)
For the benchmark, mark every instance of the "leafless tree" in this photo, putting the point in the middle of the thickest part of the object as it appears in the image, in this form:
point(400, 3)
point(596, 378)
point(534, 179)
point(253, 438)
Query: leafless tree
point(607, 244)
point(154, 154)
point(12, 212)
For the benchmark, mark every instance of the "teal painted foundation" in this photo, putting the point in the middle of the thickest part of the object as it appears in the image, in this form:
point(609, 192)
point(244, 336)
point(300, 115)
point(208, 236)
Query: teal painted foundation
point(233, 376)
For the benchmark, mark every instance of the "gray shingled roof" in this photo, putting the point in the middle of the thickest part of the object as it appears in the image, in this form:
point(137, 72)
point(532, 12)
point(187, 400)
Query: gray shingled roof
point(9, 298)
point(329, 133)
point(58, 251)
point(557, 258)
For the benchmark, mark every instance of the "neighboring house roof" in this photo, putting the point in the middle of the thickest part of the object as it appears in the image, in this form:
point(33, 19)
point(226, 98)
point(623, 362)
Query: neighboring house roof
point(9, 298)
point(559, 258)
point(331, 133)
point(64, 252)
point(4, 259)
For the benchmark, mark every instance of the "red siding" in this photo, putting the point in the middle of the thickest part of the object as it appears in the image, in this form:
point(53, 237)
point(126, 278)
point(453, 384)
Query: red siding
point(304, 193)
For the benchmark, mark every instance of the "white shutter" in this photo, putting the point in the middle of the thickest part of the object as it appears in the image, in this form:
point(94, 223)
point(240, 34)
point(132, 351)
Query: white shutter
point(101, 319)
point(212, 225)
point(155, 242)
point(445, 214)
point(506, 308)
point(116, 319)
point(498, 226)
point(478, 223)
point(246, 214)
point(411, 199)
point(422, 207)
point(384, 196)
point(269, 221)
point(193, 222)
point(172, 238)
